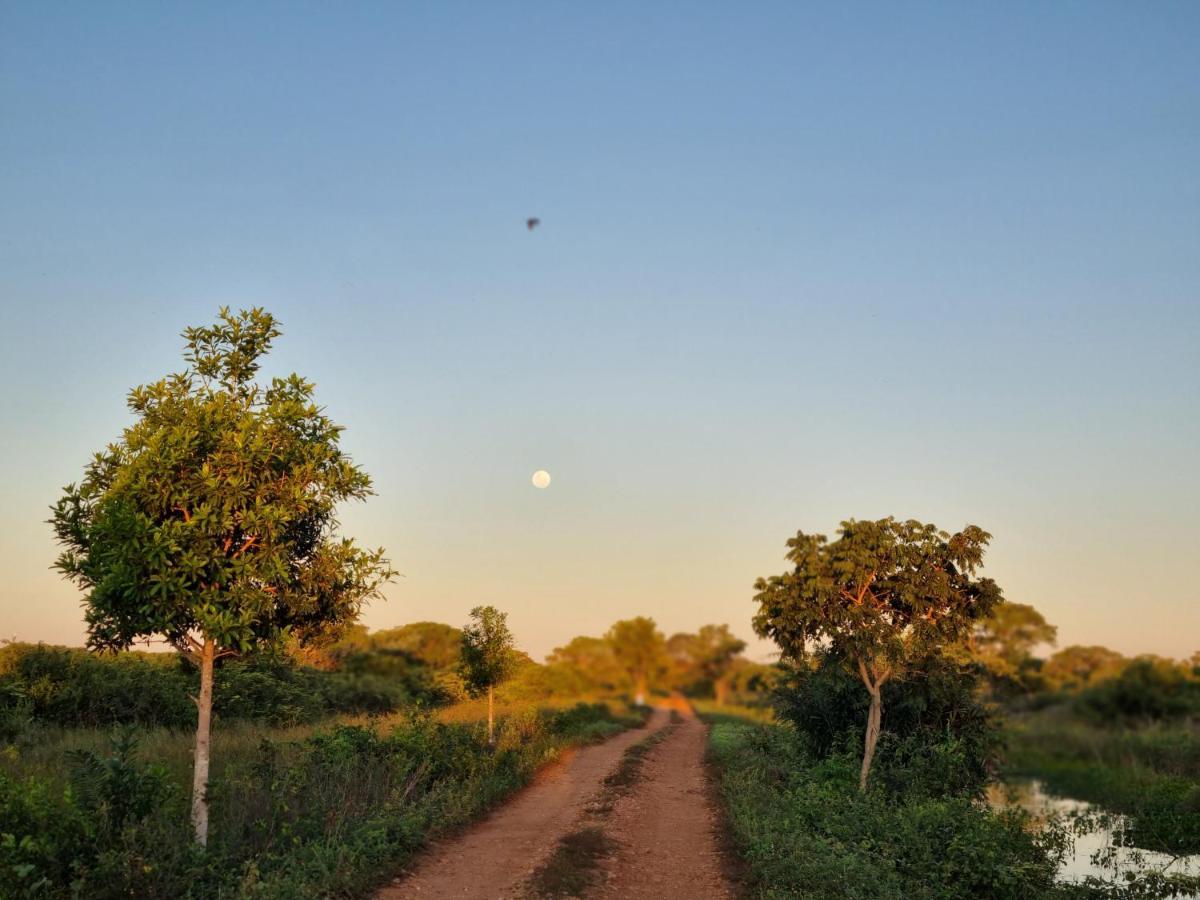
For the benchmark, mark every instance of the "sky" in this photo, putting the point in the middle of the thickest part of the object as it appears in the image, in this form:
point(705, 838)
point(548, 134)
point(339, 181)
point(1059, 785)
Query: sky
point(797, 263)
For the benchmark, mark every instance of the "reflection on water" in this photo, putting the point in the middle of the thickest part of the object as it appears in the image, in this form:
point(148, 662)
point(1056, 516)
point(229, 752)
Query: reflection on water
point(1095, 851)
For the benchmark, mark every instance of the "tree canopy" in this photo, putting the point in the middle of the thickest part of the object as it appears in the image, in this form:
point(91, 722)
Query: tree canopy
point(640, 649)
point(885, 593)
point(213, 514)
point(211, 520)
point(487, 656)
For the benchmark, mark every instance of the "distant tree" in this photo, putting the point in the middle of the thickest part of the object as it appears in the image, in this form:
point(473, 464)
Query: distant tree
point(1004, 642)
point(640, 650)
point(1077, 666)
point(488, 657)
point(589, 662)
point(883, 596)
point(211, 520)
point(709, 654)
point(431, 643)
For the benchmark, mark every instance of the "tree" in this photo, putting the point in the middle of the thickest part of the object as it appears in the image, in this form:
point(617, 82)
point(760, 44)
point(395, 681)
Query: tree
point(639, 648)
point(1004, 642)
point(432, 643)
point(588, 662)
point(487, 657)
point(883, 596)
point(1079, 667)
point(709, 655)
point(211, 520)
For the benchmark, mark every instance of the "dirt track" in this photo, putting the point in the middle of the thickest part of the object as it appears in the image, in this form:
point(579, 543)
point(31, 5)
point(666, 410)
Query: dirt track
point(493, 858)
point(666, 827)
point(663, 828)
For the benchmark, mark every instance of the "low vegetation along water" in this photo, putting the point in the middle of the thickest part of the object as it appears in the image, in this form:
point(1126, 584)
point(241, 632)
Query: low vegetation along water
point(1100, 847)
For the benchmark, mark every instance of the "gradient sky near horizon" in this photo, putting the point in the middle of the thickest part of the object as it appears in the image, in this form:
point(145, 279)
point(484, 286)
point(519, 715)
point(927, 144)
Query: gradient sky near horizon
point(797, 263)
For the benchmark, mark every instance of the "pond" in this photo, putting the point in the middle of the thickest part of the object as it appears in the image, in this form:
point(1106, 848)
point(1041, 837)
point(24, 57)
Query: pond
point(1095, 852)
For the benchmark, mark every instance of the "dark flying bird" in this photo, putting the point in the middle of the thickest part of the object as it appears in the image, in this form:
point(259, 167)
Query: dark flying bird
point(532, 223)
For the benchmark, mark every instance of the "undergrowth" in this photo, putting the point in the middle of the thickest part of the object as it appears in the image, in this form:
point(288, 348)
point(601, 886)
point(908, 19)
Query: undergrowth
point(332, 814)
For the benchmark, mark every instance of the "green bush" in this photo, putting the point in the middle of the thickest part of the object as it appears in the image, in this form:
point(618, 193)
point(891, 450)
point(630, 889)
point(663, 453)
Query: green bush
point(333, 814)
point(76, 688)
point(937, 739)
point(1145, 691)
point(805, 830)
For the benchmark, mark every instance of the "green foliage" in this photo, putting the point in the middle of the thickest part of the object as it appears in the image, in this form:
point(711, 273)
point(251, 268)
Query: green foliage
point(705, 658)
point(1145, 690)
point(77, 688)
point(1003, 643)
point(1077, 667)
point(432, 644)
point(1150, 774)
point(585, 665)
point(214, 513)
point(486, 652)
point(639, 648)
point(939, 739)
point(334, 814)
point(883, 595)
point(884, 592)
point(804, 830)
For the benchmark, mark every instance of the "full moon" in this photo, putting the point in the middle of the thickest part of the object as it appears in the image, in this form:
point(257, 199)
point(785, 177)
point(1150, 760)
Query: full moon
point(541, 479)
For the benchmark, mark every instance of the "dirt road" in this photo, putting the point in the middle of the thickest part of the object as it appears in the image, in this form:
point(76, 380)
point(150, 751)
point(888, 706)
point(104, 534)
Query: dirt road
point(493, 858)
point(662, 827)
point(666, 826)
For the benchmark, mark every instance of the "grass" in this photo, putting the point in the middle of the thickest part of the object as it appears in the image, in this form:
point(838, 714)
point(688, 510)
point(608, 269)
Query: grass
point(802, 829)
point(310, 812)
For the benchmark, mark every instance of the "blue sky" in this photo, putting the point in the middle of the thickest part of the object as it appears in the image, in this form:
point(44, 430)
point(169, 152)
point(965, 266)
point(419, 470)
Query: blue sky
point(798, 263)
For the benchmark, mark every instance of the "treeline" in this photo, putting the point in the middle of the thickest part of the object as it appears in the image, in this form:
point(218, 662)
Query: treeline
point(1098, 683)
point(362, 672)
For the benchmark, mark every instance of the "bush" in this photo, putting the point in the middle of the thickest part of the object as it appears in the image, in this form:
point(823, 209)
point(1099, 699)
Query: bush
point(333, 814)
point(805, 830)
point(937, 737)
point(1145, 691)
point(76, 688)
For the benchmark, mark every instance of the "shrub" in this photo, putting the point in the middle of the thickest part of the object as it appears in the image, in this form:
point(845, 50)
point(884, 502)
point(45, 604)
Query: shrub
point(937, 738)
point(1145, 690)
point(805, 830)
point(76, 688)
point(333, 814)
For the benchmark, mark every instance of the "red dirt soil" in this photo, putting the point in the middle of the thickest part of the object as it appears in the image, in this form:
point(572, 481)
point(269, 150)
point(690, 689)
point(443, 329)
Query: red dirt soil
point(493, 858)
point(666, 826)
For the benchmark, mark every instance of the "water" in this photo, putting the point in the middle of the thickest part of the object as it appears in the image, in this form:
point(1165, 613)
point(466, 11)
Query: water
point(1094, 852)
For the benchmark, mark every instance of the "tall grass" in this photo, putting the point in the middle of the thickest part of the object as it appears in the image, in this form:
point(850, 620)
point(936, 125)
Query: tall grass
point(302, 812)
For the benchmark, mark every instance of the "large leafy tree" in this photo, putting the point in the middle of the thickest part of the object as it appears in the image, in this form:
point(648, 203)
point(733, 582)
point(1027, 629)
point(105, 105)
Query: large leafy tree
point(640, 650)
point(1077, 666)
point(587, 662)
point(883, 595)
point(1004, 643)
point(210, 521)
point(487, 657)
point(709, 656)
point(434, 644)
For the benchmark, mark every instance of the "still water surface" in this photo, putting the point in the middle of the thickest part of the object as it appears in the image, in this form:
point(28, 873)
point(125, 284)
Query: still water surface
point(1095, 843)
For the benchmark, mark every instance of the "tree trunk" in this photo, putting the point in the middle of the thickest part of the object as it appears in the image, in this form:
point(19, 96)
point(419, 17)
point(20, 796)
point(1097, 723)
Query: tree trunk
point(721, 689)
point(874, 717)
point(491, 719)
point(640, 696)
point(203, 728)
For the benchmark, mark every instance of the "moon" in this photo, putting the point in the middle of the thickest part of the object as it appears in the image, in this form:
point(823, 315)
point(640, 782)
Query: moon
point(541, 479)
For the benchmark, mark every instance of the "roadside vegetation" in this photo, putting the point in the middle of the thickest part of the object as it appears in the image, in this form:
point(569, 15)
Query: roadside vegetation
point(820, 806)
point(332, 813)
